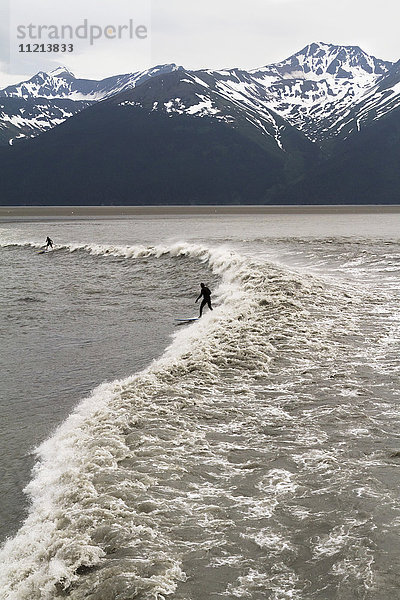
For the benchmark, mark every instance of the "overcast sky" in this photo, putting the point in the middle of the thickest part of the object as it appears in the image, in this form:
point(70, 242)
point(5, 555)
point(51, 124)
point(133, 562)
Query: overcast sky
point(208, 33)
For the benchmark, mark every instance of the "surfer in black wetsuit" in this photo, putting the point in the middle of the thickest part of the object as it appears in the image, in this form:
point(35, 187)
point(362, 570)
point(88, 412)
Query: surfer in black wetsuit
point(205, 292)
point(49, 243)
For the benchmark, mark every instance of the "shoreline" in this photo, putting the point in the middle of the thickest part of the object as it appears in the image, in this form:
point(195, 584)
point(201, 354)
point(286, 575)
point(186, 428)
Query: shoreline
point(76, 212)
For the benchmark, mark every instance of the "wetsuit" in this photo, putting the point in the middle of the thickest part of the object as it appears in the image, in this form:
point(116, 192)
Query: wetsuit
point(49, 242)
point(205, 292)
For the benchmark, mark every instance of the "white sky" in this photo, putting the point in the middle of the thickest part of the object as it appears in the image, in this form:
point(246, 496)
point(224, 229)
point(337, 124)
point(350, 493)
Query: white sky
point(206, 33)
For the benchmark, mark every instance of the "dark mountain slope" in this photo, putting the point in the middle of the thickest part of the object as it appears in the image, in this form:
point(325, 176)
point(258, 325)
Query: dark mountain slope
point(210, 136)
point(104, 156)
point(172, 140)
point(186, 93)
point(364, 170)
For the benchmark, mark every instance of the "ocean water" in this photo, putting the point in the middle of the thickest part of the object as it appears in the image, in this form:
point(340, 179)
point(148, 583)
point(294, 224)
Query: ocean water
point(252, 454)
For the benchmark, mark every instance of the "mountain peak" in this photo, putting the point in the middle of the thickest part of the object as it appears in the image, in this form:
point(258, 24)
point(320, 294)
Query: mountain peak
point(321, 60)
point(61, 72)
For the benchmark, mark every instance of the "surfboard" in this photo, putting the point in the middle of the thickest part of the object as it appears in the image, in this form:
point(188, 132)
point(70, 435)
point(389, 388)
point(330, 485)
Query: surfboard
point(187, 320)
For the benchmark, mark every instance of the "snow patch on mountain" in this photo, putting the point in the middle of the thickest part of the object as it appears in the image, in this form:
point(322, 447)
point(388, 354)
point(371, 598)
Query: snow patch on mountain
point(62, 72)
point(204, 107)
point(377, 102)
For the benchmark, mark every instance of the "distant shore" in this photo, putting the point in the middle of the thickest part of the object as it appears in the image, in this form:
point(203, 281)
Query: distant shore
point(50, 212)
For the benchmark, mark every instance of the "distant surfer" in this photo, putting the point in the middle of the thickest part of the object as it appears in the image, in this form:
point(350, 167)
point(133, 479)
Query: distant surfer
point(49, 243)
point(205, 292)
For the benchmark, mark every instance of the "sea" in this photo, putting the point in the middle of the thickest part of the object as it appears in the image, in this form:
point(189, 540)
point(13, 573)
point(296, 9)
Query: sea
point(251, 454)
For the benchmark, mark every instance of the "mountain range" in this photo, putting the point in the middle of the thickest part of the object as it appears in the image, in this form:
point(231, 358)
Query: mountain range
point(321, 127)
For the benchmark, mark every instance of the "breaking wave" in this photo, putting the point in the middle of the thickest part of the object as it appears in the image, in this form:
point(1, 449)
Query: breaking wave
point(216, 458)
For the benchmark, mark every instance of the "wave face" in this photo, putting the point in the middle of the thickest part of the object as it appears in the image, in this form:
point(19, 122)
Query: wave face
point(243, 463)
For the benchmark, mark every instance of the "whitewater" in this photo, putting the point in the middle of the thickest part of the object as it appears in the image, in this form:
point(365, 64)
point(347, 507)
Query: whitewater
point(252, 454)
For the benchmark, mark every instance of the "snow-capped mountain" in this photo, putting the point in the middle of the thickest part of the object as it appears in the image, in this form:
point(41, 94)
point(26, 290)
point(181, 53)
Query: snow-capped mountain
point(310, 87)
point(226, 135)
point(320, 61)
point(313, 90)
point(308, 90)
point(47, 99)
point(61, 83)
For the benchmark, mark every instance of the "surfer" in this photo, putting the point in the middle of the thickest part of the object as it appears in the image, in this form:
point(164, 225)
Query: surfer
point(49, 243)
point(205, 292)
